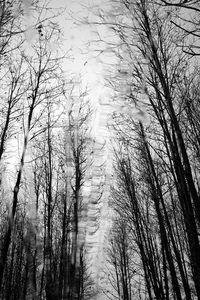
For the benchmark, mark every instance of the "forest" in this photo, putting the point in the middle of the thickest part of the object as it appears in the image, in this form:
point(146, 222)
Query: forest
point(48, 154)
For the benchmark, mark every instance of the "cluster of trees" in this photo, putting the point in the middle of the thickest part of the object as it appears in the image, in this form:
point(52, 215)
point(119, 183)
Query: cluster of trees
point(44, 155)
point(154, 246)
point(154, 249)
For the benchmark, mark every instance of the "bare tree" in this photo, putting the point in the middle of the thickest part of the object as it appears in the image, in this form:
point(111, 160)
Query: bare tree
point(188, 23)
point(79, 143)
point(39, 71)
point(120, 258)
point(153, 68)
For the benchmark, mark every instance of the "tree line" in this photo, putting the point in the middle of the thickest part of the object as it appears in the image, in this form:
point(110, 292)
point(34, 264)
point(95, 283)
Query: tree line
point(154, 246)
point(44, 157)
point(45, 152)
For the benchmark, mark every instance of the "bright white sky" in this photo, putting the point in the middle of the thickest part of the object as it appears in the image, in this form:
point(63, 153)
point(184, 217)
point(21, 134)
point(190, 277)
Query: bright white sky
point(85, 63)
point(76, 37)
point(91, 70)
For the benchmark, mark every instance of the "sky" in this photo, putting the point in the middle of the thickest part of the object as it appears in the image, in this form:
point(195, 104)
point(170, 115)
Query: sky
point(87, 65)
point(91, 70)
point(84, 63)
point(76, 36)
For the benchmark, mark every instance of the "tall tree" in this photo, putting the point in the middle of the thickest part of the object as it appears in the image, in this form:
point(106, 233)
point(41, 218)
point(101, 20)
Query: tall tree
point(151, 69)
point(40, 73)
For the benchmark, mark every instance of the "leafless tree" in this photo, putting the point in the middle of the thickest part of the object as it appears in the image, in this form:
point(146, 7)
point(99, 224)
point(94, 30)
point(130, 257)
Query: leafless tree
point(33, 80)
point(151, 70)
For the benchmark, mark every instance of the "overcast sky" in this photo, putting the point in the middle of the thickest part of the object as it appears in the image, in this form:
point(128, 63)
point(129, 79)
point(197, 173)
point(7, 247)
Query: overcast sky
point(76, 37)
